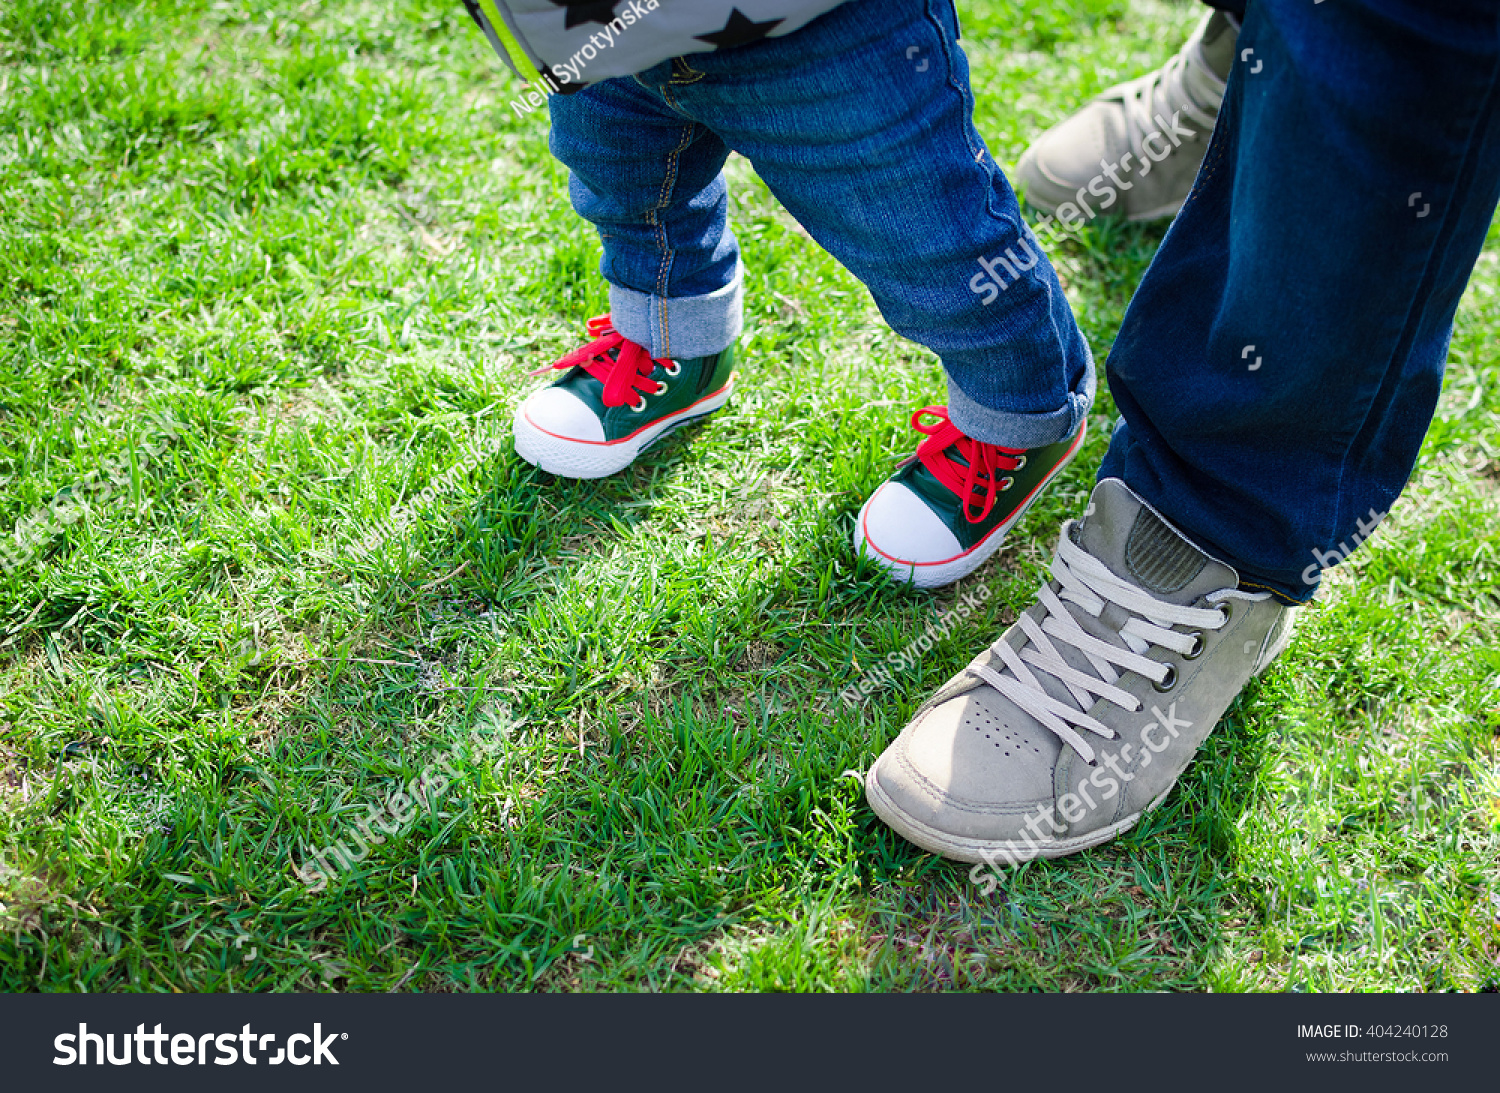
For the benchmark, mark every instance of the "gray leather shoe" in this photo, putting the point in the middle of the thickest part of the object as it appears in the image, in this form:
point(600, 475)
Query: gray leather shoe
point(1135, 150)
point(1085, 712)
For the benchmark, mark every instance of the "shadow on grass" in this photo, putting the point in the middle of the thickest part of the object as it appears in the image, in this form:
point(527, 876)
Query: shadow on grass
point(1142, 912)
point(704, 829)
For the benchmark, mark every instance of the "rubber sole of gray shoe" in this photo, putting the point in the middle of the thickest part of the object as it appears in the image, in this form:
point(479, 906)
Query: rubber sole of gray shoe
point(987, 851)
point(569, 458)
point(997, 852)
point(938, 574)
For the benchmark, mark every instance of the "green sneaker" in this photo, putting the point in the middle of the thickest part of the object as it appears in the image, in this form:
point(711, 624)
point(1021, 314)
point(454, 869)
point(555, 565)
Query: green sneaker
point(614, 402)
point(948, 508)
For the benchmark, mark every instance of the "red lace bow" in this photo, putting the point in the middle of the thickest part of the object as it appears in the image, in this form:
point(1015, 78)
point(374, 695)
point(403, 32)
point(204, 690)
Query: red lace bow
point(624, 375)
point(976, 468)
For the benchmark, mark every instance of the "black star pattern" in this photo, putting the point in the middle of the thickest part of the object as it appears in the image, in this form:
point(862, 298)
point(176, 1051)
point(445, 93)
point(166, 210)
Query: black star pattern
point(588, 11)
point(739, 31)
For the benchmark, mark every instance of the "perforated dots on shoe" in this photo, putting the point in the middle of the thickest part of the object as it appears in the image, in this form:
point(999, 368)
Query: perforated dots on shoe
point(990, 728)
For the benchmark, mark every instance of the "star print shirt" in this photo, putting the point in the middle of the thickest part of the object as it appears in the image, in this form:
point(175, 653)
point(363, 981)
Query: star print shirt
point(562, 45)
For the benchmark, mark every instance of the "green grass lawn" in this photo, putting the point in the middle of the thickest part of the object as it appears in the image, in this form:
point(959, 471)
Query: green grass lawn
point(271, 279)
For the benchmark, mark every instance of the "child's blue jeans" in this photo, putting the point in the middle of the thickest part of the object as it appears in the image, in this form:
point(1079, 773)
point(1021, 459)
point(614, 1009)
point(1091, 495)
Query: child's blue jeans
point(861, 125)
point(1281, 361)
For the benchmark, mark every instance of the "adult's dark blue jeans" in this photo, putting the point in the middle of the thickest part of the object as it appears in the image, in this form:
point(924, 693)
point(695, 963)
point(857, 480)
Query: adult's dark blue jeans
point(1281, 361)
point(861, 125)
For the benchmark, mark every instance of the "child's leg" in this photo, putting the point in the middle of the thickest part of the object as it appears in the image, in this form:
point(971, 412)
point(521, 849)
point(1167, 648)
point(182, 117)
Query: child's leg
point(651, 182)
point(860, 123)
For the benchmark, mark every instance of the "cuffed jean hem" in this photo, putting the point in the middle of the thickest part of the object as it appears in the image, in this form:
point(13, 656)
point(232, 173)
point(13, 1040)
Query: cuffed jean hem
point(681, 327)
point(1010, 430)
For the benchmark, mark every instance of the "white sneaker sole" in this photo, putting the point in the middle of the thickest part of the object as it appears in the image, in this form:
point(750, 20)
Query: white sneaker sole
point(996, 852)
point(939, 573)
point(571, 458)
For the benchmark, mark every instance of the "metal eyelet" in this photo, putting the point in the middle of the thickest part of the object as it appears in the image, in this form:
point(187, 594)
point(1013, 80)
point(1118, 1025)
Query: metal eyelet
point(1168, 681)
point(1197, 650)
point(661, 388)
point(1227, 611)
point(1020, 463)
point(639, 406)
point(672, 368)
point(1006, 483)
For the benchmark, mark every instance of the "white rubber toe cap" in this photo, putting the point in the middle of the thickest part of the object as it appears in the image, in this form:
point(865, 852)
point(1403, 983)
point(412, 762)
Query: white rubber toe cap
point(898, 529)
point(563, 414)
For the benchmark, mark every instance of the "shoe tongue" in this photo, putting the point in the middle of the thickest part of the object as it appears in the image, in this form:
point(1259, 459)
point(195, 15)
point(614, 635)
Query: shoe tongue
point(1217, 40)
point(1129, 537)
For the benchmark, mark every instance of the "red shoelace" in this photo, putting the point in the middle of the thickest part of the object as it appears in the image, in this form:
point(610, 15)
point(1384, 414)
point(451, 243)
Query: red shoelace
point(626, 374)
point(977, 471)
